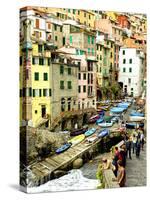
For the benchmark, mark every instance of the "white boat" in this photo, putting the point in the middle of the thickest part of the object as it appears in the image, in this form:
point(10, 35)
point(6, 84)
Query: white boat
point(136, 118)
point(105, 124)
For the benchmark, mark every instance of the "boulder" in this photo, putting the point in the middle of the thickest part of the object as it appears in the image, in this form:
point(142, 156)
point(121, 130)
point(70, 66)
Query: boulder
point(77, 163)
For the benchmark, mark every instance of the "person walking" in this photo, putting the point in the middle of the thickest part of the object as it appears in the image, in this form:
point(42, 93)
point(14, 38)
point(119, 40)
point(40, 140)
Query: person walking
point(134, 139)
point(138, 147)
point(142, 140)
point(128, 147)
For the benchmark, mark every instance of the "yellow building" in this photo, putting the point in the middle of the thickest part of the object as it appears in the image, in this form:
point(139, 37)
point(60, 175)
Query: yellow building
point(35, 90)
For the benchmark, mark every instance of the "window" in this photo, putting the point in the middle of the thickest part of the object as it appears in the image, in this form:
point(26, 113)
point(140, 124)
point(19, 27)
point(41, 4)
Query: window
point(55, 27)
point(97, 57)
point(100, 57)
point(100, 48)
point(84, 76)
point(92, 39)
point(30, 92)
point(74, 11)
point(84, 14)
point(69, 10)
point(129, 80)
point(88, 39)
point(33, 60)
point(130, 69)
point(35, 111)
point(70, 39)
point(48, 61)
point(79, 88)
point(84, 88)
point(36, 76)
point(131, 89)
point(40, 49)
point(55, 38)
point(61, 69)
point(62, 85)
point(45, 93)
point(124, 61)
point(93, 102)
point(20, 60)
point(78, 12)
point(69, 71)
point(130, 61)
point(123, 52)
point(36, 93)
point(33, 92)
point(37, 23)
point(89, 50)
point(41, 61)
point(69, 85)
point(111, 55)
point(89, 16)
point(50, 92)
point(45, 77)
point(79, 76)
point(124, 69)
point(60, 28)
point(40, 92)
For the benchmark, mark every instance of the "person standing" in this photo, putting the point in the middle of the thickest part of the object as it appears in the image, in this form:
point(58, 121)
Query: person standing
point(121, 177)
point(123, 155)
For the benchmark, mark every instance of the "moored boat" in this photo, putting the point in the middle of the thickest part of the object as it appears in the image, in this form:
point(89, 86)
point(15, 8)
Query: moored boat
point(90, 132)
point(77, 139)
point(92, 139)
point(78, 131)
point(93, 118)
point(63, 148)
point(139, 114)
point(103, 133)
point(105, 124)
point(136, 118)
point(100, 120)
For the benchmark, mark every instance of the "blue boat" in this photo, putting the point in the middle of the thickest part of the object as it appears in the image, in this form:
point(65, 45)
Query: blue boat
point(90, 132)
point(134, 113)
point(103, 133)
point(99, 120)
point(117, 109)
point(63, 148)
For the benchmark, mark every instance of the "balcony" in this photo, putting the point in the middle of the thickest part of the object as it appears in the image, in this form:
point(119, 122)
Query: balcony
point(62, 60)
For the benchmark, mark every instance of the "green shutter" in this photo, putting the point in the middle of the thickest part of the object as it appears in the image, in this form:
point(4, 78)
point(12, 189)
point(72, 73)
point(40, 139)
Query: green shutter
point(36, 76)
point(61, 69)
point(40, 92)
point(69, 71)
point(61, 84)
point(45, 76)
point(92, 39)
point(88, 39)
point(70, 39)
point(69, 85)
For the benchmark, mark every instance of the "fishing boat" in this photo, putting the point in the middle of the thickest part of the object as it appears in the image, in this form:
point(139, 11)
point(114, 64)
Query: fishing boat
point(100, 120)
point(134, 113)
point(63, 148)
point(90, 132)
point(92, 139)
point(78, 131)
point(77, 139)
point(105, 124)
point(93, 118)
point(103, 133)
point(131, 125)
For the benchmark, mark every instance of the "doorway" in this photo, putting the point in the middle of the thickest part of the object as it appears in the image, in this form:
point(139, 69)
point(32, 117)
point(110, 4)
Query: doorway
point(43, 110)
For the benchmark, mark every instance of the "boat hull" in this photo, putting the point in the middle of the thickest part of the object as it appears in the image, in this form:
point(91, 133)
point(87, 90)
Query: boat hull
point(63, 148)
